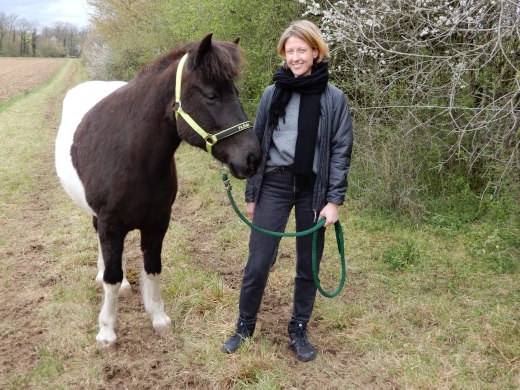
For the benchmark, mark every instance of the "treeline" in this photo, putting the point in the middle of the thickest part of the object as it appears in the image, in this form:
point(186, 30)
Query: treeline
point(434, 89)
point(128, 35)
point(21, 38)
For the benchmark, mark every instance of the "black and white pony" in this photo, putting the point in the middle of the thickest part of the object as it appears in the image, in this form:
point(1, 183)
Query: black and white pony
point(115, 157)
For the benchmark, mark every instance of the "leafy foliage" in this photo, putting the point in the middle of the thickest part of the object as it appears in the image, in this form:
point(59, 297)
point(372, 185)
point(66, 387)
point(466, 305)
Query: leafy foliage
point(137, 32)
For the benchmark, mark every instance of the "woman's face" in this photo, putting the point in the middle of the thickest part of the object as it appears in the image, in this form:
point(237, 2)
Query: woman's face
point(299, 56)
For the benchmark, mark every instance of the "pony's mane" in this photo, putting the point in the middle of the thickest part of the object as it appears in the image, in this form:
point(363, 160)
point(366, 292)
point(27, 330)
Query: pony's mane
point(222, 63)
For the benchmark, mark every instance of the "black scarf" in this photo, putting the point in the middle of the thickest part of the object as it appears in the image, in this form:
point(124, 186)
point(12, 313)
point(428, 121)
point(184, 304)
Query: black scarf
point(310, 87)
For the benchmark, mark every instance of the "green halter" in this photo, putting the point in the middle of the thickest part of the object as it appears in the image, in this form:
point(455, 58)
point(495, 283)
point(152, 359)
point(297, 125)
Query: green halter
point(211, 139)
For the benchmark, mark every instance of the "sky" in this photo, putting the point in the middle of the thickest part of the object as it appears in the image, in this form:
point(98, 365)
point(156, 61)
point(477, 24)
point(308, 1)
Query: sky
point(47, 12)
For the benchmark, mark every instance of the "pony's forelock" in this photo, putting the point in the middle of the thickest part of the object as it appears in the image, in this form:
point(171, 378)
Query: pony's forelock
point(223, 63)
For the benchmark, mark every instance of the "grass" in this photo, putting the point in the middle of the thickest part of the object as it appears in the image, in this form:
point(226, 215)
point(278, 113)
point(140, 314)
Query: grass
point(426, 305)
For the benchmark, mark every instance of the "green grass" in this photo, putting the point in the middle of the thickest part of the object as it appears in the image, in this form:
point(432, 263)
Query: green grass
point(426, 305)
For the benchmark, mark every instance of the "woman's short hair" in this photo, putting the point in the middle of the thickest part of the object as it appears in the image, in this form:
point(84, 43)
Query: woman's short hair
point(309, 33)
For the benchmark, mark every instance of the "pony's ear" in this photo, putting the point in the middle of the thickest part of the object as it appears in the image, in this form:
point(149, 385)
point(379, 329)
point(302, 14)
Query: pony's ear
point(236, 40)
point(204, 48)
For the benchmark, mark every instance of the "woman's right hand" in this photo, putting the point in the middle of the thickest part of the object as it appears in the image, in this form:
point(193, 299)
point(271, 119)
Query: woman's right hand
point(250, 210)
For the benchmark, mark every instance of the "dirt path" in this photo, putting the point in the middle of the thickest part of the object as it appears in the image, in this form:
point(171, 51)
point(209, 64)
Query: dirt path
point(24, 208)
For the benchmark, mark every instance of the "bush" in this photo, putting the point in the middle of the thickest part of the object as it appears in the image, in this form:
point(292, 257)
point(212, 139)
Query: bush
point(433, 88)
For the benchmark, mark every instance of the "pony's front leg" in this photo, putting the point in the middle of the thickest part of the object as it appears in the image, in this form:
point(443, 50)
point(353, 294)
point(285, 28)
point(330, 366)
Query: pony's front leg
point(111, 242)
point(151, 245)
point(106, 337)
point(153, 303)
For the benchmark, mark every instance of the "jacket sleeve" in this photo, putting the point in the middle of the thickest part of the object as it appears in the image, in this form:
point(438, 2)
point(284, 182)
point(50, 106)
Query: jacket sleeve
point(259, 128)
point(340, 151)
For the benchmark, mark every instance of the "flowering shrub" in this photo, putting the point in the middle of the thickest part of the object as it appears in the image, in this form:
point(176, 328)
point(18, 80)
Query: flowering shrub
point(443, 79)
point(99, 61)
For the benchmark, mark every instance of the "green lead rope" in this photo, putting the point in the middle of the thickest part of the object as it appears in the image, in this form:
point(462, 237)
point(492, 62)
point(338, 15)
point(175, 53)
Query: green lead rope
point(313, 230)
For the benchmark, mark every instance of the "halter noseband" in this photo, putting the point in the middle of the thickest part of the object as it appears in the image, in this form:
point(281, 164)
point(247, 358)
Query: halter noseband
point(210, 139)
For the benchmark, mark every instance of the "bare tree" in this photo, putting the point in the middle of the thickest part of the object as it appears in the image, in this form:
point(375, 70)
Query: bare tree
point(7, 24)
point(24, 27)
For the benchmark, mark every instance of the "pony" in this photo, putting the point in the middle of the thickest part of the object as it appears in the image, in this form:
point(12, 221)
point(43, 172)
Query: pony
point(115, 157)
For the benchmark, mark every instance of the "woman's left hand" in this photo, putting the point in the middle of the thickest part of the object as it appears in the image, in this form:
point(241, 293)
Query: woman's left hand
point(331, 213)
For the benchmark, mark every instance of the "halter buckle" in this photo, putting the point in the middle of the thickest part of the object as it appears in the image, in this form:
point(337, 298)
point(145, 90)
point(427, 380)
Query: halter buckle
point(176, 106)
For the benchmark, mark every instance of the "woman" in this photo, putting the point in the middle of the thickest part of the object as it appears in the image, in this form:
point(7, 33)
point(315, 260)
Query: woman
point(305, 129)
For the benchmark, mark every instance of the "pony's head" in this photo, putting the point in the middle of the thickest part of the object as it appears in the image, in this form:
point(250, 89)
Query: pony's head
point(210, 97)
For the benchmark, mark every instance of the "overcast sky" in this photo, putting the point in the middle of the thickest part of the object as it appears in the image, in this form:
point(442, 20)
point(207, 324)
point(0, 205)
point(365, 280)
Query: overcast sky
point(47, 12)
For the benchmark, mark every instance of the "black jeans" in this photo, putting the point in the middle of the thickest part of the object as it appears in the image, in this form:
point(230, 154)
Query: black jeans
point(278, 195)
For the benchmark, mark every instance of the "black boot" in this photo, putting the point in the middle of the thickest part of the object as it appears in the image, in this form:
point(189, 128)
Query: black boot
point(300, 343)
point(242, 333)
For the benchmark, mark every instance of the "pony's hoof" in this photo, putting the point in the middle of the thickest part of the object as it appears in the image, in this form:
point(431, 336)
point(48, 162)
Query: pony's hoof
point(163, 327)
point(106, 341)
point(125, 289)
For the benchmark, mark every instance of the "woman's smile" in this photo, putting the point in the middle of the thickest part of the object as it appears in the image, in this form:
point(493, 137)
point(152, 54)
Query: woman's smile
point(299, 56)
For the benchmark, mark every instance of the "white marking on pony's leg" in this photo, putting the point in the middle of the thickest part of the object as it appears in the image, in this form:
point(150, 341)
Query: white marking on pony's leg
point(153, 303)
point(100, 264)
point(106, 338)
point(125, 289)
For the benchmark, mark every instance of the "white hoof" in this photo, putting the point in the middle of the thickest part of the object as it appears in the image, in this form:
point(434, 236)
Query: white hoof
point(163, 325)
point(106, 340)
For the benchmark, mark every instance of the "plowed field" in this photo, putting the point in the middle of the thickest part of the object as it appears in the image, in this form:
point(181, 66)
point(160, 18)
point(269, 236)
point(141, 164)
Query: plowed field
point(20, 74)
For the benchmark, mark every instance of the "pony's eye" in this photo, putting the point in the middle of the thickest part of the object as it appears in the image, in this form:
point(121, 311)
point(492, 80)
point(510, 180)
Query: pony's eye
point(212, 96)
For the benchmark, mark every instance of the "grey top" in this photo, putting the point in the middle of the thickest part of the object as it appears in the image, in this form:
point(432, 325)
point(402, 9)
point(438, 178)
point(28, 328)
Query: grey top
point(283, 143)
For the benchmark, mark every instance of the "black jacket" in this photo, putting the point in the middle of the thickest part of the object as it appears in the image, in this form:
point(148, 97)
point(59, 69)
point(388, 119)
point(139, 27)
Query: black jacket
point(335, 138)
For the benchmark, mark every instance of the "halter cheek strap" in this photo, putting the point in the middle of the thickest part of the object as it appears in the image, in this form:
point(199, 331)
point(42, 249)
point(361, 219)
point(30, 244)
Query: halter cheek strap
point(210, 139)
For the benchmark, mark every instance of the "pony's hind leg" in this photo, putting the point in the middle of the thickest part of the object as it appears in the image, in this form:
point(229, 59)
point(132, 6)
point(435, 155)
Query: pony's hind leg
point(151, 245)
point(111, 241)
point(100, 264)
point(125, 288)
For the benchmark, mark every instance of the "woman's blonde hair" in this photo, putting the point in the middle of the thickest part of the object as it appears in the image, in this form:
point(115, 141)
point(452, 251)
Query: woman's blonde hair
point(309, 33)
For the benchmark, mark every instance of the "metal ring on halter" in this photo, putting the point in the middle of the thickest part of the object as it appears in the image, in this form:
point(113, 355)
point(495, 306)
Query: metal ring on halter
point(210, 139)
